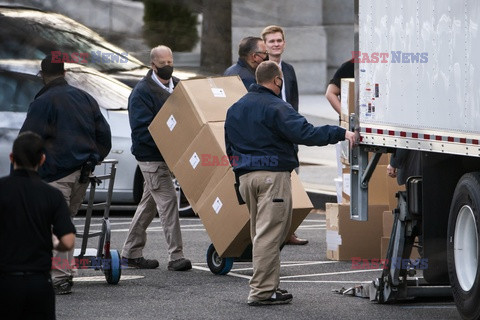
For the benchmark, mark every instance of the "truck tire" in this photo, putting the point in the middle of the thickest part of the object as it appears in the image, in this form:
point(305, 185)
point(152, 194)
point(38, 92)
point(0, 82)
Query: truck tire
point(463, 245)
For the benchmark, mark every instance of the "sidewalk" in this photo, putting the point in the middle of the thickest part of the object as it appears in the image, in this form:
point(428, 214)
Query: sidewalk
point(318, 165)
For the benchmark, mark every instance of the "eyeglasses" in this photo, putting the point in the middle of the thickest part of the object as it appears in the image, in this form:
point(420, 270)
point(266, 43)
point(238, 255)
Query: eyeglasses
point(264, 52)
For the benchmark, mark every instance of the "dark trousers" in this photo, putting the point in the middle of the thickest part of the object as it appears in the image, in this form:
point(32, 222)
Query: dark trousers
point(27, 296)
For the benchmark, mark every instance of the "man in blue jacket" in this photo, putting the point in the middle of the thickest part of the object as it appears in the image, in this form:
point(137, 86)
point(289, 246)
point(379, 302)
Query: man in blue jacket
point(260, 132)
point(251, 52)
point(144, 102)
point(77, 137)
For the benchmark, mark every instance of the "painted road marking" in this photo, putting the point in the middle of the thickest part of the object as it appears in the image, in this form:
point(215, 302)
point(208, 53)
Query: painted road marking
point(102, 278)
point(330, 273)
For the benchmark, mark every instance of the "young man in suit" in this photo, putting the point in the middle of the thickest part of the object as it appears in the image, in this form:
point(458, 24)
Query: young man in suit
point(274, 38)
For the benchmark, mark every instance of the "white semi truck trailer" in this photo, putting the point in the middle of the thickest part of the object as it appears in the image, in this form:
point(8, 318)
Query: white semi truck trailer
point(417, 72)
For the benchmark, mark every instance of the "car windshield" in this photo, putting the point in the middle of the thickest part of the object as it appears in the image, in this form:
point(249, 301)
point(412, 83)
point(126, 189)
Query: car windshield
point(30, 34)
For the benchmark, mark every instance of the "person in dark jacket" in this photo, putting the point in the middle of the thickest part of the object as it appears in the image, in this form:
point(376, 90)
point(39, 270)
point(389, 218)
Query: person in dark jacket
point(260, 132)
point(76, 136)
point(251, 52)
point(144, 102)
point(30, 211)
point(405, 163)
point(274, 38)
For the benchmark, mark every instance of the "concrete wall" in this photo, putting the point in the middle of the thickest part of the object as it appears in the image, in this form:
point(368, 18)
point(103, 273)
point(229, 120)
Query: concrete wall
point(304, 33)
point(338, 19)
point(319, 34)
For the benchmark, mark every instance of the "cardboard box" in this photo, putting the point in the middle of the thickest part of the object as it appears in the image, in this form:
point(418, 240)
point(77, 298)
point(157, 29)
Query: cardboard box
point(347, 100)
point(387, 223)
point(378, 193)
point(347, 239)
point(384, 248)
point(203, 164)
point(301, 203)
point(393, 188)
point(192, 104)
point(384, 159)
point(228, 223)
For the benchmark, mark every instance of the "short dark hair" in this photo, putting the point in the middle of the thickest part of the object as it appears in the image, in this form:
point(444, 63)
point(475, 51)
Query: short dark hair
point(51, 68)
point(28, 149)
point(248, 45)
point(266, 71)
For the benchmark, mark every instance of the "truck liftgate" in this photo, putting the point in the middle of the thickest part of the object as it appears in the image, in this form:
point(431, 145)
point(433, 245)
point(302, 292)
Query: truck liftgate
point(417, 87)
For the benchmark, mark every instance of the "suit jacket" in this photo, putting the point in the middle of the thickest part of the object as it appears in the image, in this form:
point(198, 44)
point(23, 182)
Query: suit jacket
point(291, 86)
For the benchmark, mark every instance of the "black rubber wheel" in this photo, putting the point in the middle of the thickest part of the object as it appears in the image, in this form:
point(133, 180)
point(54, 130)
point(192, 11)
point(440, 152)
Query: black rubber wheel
point(216, 264)
point(463, 245)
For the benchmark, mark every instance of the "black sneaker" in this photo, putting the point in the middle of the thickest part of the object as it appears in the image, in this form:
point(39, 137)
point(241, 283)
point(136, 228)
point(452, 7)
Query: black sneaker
point(281, 291)
point(62, 287)
point(142, 263)
point(180, 265)
point(280, 298)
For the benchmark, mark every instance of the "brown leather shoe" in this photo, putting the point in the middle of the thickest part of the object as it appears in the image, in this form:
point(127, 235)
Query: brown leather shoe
point(296, 241)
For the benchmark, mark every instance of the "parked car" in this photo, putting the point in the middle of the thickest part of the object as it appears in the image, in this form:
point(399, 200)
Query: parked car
point(19, 84)
point(29, 33)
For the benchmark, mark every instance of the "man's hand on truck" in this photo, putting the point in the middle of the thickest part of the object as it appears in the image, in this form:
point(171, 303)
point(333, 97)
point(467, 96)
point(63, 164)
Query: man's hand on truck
point(350, 136)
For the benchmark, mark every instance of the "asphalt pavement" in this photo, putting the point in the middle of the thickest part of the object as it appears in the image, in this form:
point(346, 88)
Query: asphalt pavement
point(199, 294)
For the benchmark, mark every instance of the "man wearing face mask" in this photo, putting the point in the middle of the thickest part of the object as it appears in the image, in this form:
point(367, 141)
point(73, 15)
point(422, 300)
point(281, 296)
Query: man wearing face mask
point(262, 126)
point(144, 102)
point(251, 52)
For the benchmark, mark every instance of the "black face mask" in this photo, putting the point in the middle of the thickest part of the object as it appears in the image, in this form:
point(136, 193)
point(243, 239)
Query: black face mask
point(165, 72)
point(280, 87)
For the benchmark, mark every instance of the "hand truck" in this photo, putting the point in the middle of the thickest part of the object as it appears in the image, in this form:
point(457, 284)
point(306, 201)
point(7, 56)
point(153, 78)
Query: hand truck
point(104, 258)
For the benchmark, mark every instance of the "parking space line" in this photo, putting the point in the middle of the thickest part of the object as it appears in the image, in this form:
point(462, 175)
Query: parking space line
point(325, 281)
point(429, 307)
point(292, 265)
point(330, 273)
point(228, 274)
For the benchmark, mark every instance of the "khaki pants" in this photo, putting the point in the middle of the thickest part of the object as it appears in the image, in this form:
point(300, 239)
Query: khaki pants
point(268, 196)
point(74, 193)
point(158, 194)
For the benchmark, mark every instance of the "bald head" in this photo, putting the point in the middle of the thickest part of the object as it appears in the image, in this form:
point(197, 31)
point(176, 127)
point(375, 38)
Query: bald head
point(269, 75)
point(267, 71)
point(160, 52)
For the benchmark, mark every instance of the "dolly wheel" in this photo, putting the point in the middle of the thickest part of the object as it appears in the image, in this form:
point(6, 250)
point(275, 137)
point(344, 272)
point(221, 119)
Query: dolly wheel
point(114, 271)
point(216, 264)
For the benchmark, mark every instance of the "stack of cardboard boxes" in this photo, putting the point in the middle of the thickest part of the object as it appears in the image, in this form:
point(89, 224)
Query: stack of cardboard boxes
point(189, 132)
point(347, 239)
